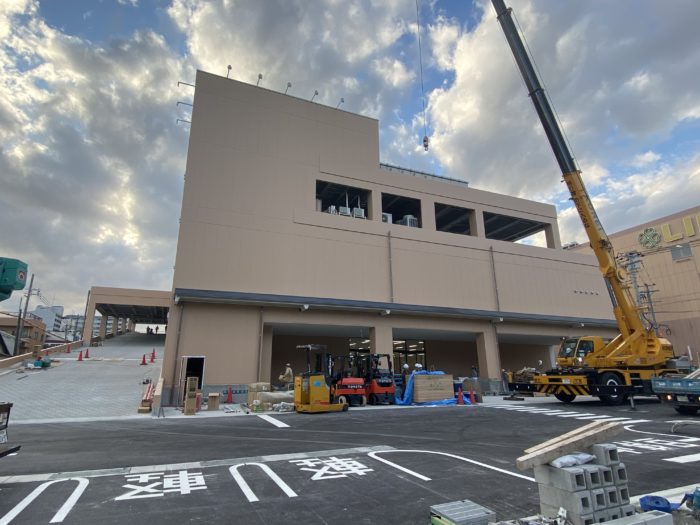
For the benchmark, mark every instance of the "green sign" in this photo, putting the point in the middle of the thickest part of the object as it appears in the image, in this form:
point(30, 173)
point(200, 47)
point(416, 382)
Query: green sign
point(13, 276)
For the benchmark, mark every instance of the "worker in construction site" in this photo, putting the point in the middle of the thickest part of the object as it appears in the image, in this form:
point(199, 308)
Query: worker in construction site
point(287, 377)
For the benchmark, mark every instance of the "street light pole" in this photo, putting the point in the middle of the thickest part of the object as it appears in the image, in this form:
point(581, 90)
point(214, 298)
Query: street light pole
point(20, 321)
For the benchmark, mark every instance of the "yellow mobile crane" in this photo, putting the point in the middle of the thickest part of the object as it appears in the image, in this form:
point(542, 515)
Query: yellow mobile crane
point(589, 365)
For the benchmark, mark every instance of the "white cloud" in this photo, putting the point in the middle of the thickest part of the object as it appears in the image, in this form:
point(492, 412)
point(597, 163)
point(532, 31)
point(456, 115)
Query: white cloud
point(618, 88)
point(393, 72)
point(643, 159)
point(91, 161)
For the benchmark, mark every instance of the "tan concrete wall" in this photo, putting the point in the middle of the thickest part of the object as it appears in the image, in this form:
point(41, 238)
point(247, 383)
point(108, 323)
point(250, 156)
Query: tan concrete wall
point(515, 357)
point(249, 203)
point(677, 283)
point(249, 224)
point(120, 296)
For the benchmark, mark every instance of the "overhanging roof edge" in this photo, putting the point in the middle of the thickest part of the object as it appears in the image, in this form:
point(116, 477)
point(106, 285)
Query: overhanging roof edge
point(260, 299)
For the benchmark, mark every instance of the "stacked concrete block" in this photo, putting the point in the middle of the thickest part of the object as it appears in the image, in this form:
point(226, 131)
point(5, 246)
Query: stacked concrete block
point(464, 512)
point(591, 493)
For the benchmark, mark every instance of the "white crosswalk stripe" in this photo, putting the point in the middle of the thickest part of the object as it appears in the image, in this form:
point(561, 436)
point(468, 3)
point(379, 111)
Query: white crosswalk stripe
point(570, 414)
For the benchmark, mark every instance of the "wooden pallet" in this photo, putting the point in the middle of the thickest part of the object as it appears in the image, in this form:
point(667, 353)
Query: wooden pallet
point(574, 441)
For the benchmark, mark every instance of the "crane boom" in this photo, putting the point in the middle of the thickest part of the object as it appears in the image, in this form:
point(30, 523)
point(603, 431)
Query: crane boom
point(628, 319)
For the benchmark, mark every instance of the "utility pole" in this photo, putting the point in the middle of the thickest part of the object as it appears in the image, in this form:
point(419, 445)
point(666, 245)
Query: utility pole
point(632, 259)
point(651, 307)
point(20, 320)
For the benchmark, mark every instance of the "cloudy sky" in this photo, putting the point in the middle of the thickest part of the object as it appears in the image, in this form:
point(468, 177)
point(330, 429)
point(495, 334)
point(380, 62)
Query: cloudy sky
point(92, 160)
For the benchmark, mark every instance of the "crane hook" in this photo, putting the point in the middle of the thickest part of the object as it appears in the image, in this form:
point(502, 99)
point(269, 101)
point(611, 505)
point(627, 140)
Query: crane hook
point(426, 142)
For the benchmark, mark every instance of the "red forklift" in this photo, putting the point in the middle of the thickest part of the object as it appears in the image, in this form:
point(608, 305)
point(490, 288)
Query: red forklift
point(379, 379)
point(348, 385)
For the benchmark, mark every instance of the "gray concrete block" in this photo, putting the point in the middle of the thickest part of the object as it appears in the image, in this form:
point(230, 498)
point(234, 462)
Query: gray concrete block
point(612, 497)
point(599, 500)
point(619, 473)
point(600, 516)
point(586, 519)
point(569, 478)
point(627, 510)
point(606, 454)
point(593, 476)
point(656, 517)
point(614, 514)
point(606, 476)
point(576, 519)
point(623, 495)
point(574, 502)
point(640, 519)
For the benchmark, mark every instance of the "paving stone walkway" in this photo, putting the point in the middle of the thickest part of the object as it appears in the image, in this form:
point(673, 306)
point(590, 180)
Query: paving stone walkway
point(108, 384)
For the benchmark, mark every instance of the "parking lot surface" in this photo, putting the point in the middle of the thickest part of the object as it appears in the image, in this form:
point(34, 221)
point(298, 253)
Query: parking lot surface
point(363, 466)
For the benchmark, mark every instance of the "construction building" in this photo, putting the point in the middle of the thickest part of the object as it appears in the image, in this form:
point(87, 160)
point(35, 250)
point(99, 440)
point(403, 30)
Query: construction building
point(660, 259)
point(293, 232)
point(33, 331)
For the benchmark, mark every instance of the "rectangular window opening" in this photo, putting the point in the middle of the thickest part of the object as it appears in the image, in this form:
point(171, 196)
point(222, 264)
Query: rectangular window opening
point(401, 210)
point(452, 219)
point(338, 199)
point(513, 229)
point(680, 252)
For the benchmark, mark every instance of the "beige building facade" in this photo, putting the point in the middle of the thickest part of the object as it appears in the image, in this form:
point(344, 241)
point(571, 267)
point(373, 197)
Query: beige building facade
point(662, 261)
point(293, 232)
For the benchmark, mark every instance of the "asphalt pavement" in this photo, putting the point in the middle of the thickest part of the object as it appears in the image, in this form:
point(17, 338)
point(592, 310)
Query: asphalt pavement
point(362, 466)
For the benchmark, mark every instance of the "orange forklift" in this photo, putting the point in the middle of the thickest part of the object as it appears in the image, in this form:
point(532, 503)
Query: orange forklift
point(379, 379)
point(348, 385)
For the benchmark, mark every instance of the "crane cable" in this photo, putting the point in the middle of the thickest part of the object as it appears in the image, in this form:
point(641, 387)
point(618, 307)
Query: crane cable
point(426, 141)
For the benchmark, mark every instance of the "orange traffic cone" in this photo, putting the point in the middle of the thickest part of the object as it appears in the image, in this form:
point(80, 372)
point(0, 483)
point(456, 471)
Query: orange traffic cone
point(460, 399)
point(87, 353)
point(229, 397)
point(143, 359)
point(80, 357)
point(472, 397)
point(153, 356)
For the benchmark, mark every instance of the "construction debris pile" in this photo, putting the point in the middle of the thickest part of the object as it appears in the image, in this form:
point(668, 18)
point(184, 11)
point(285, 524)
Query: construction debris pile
point(593, 492)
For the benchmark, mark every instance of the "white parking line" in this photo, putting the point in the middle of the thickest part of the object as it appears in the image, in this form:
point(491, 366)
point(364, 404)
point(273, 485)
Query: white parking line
point(691, 458)
point(125, 471)
point(272, 420)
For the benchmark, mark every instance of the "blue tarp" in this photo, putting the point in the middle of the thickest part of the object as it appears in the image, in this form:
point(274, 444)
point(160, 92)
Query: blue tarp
point(407, 398)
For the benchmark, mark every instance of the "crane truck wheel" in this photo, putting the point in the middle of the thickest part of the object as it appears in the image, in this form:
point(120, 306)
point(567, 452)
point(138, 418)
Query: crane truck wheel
point(612, 379)
point(564, 397)
point(343, 400)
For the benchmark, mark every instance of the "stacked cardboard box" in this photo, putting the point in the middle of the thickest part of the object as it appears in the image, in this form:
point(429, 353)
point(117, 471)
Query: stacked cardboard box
point(254, 390)
point(432, 387)
point(591, 493)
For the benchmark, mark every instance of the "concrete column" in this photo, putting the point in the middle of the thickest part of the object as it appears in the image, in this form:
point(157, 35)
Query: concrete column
point(375, 206)
point(476, 224)
point(487, 353)
point(171, 353)
point(266, 357)
point(115, 326)
point(122, 325)
point(427, 211)
point(551, 233)
point(103, 327)
point(87, 326)
point(553, 351)
point(381, 340)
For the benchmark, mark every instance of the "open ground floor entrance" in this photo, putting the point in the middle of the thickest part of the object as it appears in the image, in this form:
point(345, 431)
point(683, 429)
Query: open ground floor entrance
point(243, 344)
